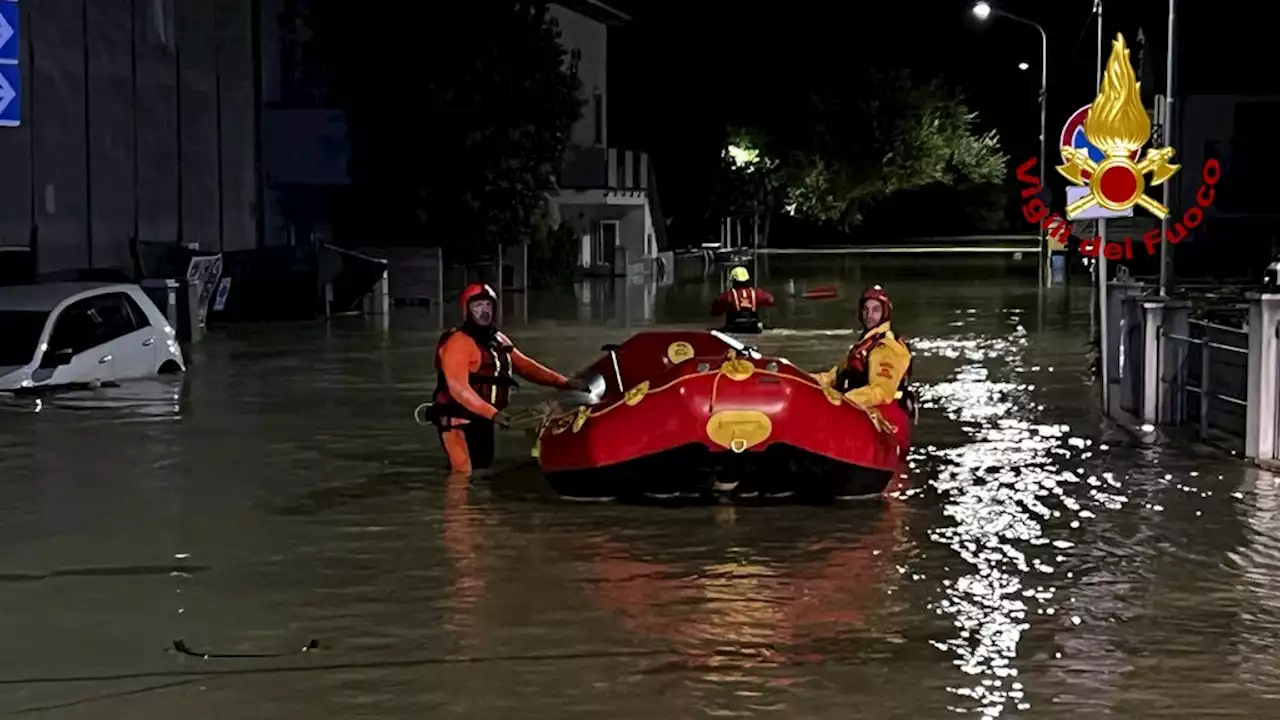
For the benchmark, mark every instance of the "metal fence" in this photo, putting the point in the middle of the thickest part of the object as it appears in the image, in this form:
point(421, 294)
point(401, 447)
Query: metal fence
point(1212, 382)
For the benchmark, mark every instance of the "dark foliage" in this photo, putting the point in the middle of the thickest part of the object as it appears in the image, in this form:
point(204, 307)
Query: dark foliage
point(459, 115)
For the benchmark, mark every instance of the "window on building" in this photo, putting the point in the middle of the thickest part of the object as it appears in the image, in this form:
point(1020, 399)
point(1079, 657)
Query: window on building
point(597, 101)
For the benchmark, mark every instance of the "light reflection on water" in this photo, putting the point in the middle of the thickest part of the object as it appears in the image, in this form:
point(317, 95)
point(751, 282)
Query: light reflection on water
point(994, 490)
point(1038, 565)
point(144, 399)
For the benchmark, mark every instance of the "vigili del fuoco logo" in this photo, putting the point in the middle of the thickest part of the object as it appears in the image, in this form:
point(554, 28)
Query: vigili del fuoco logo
point(1116, 127)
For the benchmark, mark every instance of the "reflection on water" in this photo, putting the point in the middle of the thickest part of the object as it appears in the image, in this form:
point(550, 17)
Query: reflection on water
point(1038, 565)
point(152, 398)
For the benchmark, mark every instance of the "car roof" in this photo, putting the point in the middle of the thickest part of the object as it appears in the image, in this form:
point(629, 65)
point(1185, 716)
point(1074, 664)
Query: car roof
point(46, 296)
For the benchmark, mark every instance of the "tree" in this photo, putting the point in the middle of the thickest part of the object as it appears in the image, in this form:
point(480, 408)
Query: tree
point(839, 153)
point(459, 117)
point(750, 181)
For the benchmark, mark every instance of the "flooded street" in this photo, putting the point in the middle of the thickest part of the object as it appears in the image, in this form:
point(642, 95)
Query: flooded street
point(1041, 565)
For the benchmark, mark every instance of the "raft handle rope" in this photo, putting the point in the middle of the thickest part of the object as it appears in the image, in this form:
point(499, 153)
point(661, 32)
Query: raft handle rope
point(418, 416)
point(532, 417)
point(877, 419)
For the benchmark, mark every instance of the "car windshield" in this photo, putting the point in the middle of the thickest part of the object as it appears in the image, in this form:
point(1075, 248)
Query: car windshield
point(19, 334)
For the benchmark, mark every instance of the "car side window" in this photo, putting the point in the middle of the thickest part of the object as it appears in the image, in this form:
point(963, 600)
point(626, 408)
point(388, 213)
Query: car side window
point(112, 311)
point(76, 329)
point(140, 319)
point(94, 321)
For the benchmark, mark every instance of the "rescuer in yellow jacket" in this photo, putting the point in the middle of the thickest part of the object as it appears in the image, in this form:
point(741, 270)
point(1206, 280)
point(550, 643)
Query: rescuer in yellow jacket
point(878, 367)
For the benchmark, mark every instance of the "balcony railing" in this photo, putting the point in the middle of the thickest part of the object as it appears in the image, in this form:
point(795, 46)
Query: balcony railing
point(598, 168)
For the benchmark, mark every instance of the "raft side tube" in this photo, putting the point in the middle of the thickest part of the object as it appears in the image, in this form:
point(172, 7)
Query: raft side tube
point(694, 470)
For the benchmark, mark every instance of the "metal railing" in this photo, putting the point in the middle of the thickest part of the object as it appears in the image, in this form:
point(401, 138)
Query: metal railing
point(1205, 391)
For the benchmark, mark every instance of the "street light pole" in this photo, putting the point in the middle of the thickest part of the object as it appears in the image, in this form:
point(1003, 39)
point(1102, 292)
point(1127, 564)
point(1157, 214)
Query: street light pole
point(1045, 253)
point(1104, 358)
point(982, 11)
point(1166, 248)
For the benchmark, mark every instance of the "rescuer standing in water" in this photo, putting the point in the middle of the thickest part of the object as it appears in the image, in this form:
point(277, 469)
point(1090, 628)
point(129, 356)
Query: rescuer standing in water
point(878, 366)
point(475, 365)
point(741, 304)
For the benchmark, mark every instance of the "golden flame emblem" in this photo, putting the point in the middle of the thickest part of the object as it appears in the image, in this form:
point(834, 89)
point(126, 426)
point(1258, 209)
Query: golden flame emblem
point(1118, 126)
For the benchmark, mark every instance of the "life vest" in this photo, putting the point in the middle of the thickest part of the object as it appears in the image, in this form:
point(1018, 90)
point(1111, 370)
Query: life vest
point(493, 380)
point(744, 309)
point(856, 372)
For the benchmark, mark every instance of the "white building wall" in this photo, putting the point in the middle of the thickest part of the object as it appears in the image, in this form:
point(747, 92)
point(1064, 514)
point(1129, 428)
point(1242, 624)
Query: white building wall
point(590, 39)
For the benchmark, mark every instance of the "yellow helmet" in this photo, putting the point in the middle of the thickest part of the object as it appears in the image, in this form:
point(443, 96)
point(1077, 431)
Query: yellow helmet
point(739, 274)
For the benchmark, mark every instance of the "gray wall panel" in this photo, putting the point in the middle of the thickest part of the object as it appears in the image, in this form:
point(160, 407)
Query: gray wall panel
point(15, 149)
point(57, 29)
point(111, 131)
point(200, 196)
point(157, 123)
point(235, 63)
point(206, 48)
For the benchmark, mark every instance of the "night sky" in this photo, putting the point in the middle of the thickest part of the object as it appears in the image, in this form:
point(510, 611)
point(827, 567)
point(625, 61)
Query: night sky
point(677, 77)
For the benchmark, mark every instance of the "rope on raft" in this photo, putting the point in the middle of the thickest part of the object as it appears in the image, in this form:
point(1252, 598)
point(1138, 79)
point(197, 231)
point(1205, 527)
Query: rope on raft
point(537, 418)
point(520, 419)
point(877, 418)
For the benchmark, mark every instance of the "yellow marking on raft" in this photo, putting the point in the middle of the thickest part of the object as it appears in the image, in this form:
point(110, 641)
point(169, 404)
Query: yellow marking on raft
point(739, 430)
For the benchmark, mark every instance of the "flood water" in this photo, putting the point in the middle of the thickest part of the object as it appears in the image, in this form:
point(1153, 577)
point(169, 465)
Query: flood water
point(1041, 565)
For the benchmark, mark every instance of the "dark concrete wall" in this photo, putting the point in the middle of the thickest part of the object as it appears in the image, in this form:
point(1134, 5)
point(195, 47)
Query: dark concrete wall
point(145, 155)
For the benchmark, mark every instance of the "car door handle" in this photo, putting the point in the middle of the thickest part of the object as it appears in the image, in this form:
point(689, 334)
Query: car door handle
point(104, 359)
point(148, 342)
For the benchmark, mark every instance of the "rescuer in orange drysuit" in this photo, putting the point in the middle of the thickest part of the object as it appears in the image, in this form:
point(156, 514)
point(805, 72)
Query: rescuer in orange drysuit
point(878, 367)
point(474, 366)
point(741, 304)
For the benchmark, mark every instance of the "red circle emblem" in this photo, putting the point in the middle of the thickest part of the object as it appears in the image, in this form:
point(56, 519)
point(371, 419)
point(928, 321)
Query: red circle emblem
point(1118, 184)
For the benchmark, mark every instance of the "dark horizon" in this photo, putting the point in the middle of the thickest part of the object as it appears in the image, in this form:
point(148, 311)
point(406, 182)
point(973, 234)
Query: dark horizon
point(708, 67)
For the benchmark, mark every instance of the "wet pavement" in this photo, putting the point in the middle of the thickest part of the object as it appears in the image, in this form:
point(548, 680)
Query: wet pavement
point(1041, 565)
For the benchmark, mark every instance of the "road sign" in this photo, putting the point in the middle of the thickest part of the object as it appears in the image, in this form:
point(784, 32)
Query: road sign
point(8, 32)
point(1073, 137)
point(10, 94)
point(1073, 134)
point(1097, 212)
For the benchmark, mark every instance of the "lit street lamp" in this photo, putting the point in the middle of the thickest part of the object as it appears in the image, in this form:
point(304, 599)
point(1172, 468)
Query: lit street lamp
point(982, 11)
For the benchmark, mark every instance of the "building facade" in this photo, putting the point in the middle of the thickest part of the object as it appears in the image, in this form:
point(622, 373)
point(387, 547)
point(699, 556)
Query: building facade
point(607, 194)
point(1241, 230)
point(139, 119)
point(197, 123)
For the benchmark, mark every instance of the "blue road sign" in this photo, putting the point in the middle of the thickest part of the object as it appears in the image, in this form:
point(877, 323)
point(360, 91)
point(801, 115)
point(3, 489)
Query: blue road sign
point(8, 32)
point(10, 94)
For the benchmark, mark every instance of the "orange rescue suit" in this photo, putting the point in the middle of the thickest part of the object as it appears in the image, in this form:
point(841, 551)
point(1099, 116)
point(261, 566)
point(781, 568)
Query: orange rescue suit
point(741, 302)
point(475, 381)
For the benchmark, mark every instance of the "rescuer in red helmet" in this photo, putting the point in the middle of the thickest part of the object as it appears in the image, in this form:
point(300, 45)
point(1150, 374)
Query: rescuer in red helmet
point(741, 303)
point(475, 365)
point(878, 366)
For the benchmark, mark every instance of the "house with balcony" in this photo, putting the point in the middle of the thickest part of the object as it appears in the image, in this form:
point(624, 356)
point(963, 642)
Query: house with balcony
point(608, 195)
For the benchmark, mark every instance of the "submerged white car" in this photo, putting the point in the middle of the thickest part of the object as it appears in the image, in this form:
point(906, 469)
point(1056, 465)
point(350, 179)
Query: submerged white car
point(82, 334)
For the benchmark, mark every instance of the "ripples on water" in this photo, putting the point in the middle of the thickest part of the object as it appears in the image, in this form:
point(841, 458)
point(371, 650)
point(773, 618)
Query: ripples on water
point(1037, 565)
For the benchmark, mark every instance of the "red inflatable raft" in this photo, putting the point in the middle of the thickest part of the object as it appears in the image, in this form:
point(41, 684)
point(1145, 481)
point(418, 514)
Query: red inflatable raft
point(693, 412)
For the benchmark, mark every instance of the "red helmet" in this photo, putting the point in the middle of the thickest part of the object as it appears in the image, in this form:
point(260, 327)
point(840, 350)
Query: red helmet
point(476, 291)
point(877, 293)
